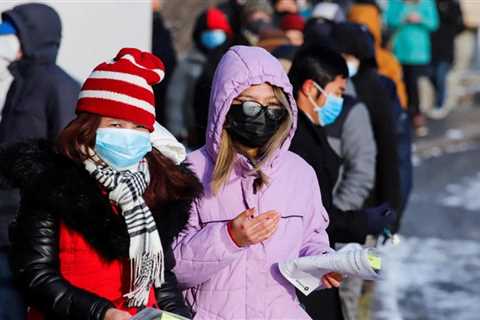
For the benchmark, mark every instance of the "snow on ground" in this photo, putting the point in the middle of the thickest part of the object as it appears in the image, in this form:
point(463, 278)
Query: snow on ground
point(464, 195)
point(429, 279)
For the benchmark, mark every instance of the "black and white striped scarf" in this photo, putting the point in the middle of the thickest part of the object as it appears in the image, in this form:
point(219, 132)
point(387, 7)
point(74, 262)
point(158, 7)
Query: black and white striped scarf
point(126, 189)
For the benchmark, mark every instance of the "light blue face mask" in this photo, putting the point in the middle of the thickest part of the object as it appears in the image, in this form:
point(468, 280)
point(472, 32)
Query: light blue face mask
point(213, 38)
point(122, 148)
point(329, 112)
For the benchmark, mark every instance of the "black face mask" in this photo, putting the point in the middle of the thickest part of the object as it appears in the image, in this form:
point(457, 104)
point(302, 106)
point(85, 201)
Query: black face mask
point(251, 131)
point(257, 26)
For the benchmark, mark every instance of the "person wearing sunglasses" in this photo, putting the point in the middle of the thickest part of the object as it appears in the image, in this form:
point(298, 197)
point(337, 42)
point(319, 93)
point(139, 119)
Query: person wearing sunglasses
point(261, 203)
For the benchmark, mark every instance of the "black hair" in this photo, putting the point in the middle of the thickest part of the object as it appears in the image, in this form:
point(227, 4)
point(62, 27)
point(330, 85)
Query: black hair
point(317, 63)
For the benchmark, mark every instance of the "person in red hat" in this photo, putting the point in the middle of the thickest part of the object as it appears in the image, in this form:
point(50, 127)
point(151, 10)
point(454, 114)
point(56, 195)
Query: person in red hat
point(101, 207)
point(293, 26)
point(211, 32)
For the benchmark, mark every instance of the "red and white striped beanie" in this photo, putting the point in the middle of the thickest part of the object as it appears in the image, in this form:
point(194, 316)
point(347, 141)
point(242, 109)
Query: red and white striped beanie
point(122, 88)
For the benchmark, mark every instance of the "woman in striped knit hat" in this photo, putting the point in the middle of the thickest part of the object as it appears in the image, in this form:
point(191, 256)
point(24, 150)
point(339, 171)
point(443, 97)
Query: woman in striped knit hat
point(101, 208)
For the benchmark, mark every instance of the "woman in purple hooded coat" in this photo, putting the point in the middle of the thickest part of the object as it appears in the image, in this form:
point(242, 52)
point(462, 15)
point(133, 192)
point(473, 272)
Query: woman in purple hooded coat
point(262, 203)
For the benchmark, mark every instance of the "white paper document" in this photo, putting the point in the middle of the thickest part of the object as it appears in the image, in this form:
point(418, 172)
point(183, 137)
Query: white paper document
point(156, 314)
point(352, 260)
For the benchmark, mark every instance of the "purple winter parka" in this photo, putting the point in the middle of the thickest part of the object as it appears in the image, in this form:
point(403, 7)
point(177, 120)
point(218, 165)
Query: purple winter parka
point(224, 281)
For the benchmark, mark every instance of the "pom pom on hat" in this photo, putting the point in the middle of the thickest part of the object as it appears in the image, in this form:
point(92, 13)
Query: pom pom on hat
point(122, 88)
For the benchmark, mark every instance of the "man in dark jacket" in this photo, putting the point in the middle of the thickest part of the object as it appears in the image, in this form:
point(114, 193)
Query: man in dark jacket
point(349, 131)
point(40, 102)
point(310, 142)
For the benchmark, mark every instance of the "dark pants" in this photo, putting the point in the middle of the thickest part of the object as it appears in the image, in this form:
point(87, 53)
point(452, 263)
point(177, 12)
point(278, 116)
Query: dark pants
point(438, 75)
point(411, 74)
point(12, 305)
point(404, 148)
point(322, 305)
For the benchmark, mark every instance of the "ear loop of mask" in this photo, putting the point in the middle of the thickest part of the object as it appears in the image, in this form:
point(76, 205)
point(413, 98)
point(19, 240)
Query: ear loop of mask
point(315, 105)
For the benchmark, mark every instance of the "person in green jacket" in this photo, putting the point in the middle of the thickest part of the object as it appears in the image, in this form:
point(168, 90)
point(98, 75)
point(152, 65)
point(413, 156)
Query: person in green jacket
point(412, 21)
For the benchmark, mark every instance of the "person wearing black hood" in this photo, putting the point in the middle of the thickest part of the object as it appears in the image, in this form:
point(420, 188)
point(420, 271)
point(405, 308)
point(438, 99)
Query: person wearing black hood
point(41, 100)
point(211, 31)
point(356, 44)
point(39, 103)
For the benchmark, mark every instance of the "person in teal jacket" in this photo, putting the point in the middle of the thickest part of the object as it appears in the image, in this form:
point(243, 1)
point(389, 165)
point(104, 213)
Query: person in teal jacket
point(412, 21)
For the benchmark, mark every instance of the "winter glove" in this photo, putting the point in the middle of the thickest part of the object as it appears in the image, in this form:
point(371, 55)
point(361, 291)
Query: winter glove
point(379, 218)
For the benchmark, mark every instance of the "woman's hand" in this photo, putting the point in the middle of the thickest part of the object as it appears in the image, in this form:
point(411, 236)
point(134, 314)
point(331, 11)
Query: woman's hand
point(246, 229)
point(116, 314)
point(414, 18)
point(332, 279)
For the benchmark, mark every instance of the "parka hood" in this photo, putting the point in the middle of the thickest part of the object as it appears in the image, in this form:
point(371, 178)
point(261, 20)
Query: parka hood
point(240, 68)
point(39, 29)
point(355, 39)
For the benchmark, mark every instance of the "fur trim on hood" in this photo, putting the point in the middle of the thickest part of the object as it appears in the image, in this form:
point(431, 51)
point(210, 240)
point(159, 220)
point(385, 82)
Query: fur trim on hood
point(50, 182)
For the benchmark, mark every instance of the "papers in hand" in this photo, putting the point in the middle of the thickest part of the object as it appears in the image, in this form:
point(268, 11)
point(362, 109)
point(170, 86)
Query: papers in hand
point(352, 260)
point(155, 314)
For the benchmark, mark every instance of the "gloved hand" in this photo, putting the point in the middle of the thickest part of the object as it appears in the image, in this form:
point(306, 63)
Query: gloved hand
point(379, 218)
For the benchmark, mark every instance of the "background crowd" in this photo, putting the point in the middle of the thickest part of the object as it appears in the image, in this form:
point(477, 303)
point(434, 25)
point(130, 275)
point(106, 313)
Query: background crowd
point(354, 67)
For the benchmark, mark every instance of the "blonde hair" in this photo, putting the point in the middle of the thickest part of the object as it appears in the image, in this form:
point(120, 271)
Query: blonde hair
point(228, 150)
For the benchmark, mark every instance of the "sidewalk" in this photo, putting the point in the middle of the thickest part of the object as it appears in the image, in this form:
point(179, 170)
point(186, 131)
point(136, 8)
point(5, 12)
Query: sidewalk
point(458, 131)
point(429, 274)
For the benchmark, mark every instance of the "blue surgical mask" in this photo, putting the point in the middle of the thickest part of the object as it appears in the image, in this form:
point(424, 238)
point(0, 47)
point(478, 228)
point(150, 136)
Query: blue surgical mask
point(329, 112)
point(122, 148)
point(305, 9)
point(352, 69)
point(213, 38)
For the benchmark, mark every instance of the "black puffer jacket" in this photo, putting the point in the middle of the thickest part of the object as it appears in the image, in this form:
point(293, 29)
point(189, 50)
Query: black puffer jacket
point(54, 188)
point(371, 91)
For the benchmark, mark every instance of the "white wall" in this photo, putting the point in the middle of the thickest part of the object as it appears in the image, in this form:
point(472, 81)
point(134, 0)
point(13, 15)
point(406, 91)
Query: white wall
point(94, 30)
